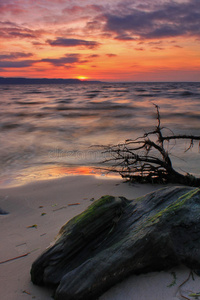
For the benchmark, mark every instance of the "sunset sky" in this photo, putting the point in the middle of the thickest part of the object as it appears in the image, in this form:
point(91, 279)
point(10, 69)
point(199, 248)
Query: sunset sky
point(127, 40)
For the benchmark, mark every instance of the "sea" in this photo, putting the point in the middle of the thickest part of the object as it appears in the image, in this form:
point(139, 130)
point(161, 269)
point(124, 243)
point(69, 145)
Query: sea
point(54, 130)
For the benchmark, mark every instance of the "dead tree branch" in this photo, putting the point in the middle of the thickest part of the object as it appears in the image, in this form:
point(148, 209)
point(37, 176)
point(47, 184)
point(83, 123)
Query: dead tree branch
point(145, 158)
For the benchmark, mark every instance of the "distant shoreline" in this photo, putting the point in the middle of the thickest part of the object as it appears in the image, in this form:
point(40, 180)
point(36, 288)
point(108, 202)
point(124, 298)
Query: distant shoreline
point(23, 80)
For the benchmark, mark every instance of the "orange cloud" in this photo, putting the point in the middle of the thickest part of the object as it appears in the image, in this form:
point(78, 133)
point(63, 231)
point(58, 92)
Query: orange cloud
point(114, 40)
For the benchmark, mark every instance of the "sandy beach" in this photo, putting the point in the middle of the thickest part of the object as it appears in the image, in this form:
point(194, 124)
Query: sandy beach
point(36, 213)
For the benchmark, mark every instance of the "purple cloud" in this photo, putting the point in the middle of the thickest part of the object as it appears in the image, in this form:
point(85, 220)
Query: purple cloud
point(63, 42)
point(16, 64)
point(124, 37)
point(170, 19)
point(68, 59)
point(14, 55)
point(17, 33)
point(93, 56)
point(13, 30)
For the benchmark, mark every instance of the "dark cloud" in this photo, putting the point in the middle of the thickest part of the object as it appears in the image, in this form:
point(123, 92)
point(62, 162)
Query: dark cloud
point(158, 48)
point(14, 55)
point(7, 23)
point(124, 37)
point(93, 56)
point(169, 19)
point(165, 31)
point(94, 25)
point(13, 30)
point(16, 33)
point(152, 45)
point(68, 59)
point(63, 42)
point(84, 61)
point(16, 64)
point(157, 43)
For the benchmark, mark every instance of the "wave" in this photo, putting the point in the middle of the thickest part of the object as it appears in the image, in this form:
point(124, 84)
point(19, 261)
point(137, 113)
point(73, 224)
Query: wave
point(35, 121)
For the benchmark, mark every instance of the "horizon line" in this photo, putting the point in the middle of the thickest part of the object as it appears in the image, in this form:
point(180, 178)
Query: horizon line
point(99, 80)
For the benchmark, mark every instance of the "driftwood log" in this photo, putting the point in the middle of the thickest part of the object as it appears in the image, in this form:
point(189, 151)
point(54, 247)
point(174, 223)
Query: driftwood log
point(116, 237)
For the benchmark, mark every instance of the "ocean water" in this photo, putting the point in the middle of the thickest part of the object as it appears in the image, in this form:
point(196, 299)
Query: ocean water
point(52, 130)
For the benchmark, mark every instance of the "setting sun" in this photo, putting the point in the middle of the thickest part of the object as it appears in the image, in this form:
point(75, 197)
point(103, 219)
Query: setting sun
point(82, 77)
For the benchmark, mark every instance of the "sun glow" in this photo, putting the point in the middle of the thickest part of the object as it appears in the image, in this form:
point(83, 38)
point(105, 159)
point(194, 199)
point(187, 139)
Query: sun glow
point(82, 78)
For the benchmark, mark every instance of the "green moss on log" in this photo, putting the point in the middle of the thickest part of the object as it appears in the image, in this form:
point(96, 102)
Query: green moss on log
point(115, 238)
point(98, 210)
point(174, 206)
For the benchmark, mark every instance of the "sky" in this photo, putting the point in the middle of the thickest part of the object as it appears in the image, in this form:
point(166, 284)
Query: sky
point(111, 40)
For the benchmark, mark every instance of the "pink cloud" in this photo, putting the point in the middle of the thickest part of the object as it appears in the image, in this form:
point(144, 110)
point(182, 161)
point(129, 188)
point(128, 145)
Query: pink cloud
point(14, 9)
point(13, 30)
point(77, 9)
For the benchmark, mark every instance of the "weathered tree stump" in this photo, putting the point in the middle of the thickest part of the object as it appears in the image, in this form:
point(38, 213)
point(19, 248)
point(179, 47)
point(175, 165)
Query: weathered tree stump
point(116, 237)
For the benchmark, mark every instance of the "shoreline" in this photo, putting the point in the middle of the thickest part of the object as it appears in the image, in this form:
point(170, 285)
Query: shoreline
point(51, 172)
point(38, 210)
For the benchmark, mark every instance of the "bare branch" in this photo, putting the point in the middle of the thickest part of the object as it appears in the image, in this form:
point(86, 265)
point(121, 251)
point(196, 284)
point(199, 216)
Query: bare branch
point(176, 137)
point(145, 160)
